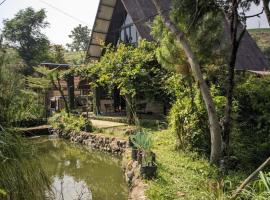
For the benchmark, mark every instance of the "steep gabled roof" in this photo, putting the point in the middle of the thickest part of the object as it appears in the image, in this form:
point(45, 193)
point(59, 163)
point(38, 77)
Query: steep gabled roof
point(112, 13)
point(250, 57)
point(110, 16)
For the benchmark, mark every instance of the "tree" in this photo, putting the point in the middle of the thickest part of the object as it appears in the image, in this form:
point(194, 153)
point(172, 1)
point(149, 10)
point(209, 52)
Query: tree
point(236, 23)
point(57, 53)
point(24, 33)
point(132, 70)
point(214, 126)
point(16, 101)
point(80, 38)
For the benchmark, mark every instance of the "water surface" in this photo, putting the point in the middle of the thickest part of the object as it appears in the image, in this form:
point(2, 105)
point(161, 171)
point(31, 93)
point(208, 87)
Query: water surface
point(79, 173)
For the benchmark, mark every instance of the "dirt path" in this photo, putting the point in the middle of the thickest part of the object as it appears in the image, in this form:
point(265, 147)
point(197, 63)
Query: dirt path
point(106, 124)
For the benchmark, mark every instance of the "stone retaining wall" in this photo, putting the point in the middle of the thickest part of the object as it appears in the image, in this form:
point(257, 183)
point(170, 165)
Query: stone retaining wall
point(118, 146)
point(95, 141)
point(137, 186)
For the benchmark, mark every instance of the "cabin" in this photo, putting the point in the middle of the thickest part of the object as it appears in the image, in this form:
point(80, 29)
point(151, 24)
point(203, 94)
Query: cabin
point(129, 21)
point(75, 91)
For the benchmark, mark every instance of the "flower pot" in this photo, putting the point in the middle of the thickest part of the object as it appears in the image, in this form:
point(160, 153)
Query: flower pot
point(148, 171)
point(134, 153)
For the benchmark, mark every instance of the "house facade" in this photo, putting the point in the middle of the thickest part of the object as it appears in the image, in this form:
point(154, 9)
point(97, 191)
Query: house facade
point(128, 21)
point(75, 92)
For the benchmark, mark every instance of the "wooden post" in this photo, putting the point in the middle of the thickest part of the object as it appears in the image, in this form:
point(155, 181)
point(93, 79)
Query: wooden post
point(71, 92)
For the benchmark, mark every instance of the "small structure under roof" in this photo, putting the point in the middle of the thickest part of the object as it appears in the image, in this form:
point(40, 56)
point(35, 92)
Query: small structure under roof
point(111, 18)
point(55, 65)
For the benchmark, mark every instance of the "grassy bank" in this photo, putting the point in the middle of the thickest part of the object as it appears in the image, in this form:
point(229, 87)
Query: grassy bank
point(262, 38)
point(185, 175)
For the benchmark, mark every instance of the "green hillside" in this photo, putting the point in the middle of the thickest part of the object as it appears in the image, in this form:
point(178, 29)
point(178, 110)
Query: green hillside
point(72, 57)
point(262, 37)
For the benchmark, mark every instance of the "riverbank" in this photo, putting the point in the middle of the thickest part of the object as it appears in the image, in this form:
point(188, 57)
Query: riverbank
point(77, 172)
point(114, 145)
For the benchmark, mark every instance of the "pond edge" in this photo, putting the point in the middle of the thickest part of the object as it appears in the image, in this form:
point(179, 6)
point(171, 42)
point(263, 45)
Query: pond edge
point(113, 145)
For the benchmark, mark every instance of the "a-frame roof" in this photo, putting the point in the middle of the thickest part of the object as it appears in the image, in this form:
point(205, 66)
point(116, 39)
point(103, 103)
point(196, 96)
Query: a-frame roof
point(112, 13)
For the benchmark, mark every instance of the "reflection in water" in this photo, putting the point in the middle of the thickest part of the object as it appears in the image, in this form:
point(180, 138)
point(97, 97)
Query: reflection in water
point(77, 172)
point(68, 189)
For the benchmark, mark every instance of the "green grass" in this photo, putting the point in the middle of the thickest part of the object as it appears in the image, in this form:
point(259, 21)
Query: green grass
point(185, 175)
point(74, 57)
point(259, 30)
point(118, 131)
point(262, 38)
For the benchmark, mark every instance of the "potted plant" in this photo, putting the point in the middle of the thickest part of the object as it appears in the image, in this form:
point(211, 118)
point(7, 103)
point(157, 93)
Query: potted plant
point(149, 167)
point(137, 146)
point(144, 155)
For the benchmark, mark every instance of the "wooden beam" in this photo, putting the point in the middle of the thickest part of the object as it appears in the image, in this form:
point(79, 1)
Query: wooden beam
point(106, 5)
point(108, 20)
point(98, 57)
point(100, 32)
point(98, 45)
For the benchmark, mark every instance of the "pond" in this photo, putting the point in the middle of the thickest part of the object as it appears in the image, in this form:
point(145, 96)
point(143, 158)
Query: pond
point(78, 173)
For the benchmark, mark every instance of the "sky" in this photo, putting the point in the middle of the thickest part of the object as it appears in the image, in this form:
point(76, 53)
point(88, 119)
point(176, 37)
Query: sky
point(64, 15)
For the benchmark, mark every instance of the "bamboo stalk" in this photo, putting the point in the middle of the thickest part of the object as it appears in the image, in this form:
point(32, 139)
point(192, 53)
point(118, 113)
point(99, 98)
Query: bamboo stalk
point(248, 179)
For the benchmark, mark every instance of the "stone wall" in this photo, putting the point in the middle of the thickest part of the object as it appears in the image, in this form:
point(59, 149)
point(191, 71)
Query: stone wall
point(118, 146)
point(137, 186)
point(97, 141)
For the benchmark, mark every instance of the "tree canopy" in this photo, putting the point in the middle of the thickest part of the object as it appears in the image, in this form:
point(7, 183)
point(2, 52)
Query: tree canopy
point(23, 32)
point(80, 38)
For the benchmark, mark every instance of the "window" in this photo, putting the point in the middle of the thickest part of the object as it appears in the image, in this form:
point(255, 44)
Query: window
point(129, 33)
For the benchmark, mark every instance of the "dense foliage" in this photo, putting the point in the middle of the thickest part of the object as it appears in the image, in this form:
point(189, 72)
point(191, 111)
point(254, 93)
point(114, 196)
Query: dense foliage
point(132, 70)
point(188, 116)
point(21, 176)
point(69, 123)
point(16, 101)
point(251, 138)
point(210, 47)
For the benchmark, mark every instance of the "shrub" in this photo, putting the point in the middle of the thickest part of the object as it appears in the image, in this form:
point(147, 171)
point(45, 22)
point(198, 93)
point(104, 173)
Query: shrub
point(251, 136)
point(69, 123)
point(188, 120)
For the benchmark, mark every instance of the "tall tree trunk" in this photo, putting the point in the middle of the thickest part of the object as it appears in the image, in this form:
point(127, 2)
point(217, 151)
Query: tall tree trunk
point(131, 110)
point(96, 100)
point(267, 10)
point(71, 91)
point(214, 126)
point(236, 37)
point(59, 88)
